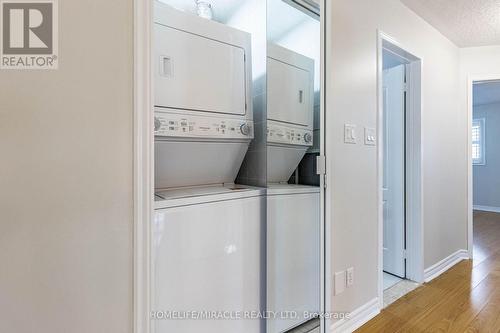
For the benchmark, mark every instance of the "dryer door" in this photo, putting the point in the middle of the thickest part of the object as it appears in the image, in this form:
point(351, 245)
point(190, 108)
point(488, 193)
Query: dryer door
point(197, 73)
point(289, 93)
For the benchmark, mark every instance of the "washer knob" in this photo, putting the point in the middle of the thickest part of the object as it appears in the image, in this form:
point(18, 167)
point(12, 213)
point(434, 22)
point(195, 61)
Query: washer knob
point(157, 124)
point(308, 137)
point(245, 129)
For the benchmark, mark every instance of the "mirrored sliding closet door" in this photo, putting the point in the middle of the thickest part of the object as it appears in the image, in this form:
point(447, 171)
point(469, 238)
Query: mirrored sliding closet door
point(293, 186)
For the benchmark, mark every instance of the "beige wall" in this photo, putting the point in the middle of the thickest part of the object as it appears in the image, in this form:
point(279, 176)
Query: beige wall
point(66, 167)
point(352, 98)
point(66, 179)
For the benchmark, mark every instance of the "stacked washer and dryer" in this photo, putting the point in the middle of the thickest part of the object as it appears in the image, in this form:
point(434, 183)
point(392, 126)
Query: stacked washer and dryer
point(206, 252)
point(293, 210)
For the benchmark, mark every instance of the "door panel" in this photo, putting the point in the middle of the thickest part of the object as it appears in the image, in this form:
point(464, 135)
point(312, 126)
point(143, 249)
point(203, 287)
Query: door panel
point(394, 171)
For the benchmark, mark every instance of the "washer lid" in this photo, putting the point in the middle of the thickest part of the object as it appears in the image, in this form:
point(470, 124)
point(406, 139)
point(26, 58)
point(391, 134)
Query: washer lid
point(205, 194)
point(280, 189)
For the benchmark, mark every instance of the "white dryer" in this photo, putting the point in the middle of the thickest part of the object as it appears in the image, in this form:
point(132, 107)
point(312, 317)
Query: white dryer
point(206, 256)
point(203, 104)
point(293, 211)
point(290, 111)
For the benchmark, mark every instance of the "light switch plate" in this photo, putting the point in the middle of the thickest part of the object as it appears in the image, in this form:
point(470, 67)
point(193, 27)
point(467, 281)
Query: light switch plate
point(340, 281)
point(370, 136)
point(350, 133)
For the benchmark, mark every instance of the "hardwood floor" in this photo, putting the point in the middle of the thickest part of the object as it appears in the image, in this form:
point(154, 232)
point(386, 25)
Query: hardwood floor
point(464, 299)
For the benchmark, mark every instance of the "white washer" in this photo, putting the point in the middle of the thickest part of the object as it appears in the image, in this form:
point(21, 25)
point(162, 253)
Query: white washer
point(293, 254)
point(293, 211)
point(290, 111)
point(206, 256)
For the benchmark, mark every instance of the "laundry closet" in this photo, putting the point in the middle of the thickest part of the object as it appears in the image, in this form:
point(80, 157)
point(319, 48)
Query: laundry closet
point(237, 214)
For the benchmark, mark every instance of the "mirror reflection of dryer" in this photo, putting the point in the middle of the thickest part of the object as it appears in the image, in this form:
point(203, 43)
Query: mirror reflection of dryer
point(293, 210)
point(207, 229)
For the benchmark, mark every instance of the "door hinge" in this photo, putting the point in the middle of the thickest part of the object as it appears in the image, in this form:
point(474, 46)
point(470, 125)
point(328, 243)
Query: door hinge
point(321, 168)
point(320, 165)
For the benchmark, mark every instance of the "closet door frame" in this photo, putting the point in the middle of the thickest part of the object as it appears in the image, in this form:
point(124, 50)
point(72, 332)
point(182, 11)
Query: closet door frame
point(143, 173)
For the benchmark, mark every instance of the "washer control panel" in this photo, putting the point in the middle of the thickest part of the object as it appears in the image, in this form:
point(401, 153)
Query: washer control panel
point(177, 125)
point(289, 135)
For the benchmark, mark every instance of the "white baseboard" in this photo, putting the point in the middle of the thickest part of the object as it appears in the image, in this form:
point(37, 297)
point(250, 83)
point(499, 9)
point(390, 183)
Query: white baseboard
point(357, 318)
point(487, 208)
point(439, 268)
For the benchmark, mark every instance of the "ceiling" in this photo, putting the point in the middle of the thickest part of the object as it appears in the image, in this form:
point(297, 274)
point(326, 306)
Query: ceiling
point(467, 23)
point(391, 60)
point(282, 18)
point(486, 93)
point(222, 9)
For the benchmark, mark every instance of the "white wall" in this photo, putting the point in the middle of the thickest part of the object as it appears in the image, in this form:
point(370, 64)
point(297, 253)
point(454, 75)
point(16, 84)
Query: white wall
point(487, 177)
point(475, 62)
point(478, 61)
point(352, 98)
point(66, 253)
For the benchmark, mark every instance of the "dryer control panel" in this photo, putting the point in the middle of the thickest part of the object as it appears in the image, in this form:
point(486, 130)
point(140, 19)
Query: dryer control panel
point(289, 135)
point(177, 125)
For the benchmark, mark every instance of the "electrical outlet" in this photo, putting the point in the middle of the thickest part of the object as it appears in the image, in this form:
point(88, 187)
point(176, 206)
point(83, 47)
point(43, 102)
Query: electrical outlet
point(350, 277)
point(340, 281)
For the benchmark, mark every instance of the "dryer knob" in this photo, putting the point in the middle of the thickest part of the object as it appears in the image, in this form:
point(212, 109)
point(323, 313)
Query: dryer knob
point(308, 137)
point(157, 124)
point(245, 129)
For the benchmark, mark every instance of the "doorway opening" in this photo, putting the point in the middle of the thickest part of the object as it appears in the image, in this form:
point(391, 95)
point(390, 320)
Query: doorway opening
point(394, 186)
point(484, 161)
point(400, 181)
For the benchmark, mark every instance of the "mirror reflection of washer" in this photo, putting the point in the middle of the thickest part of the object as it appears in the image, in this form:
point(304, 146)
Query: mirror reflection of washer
point(293, 211)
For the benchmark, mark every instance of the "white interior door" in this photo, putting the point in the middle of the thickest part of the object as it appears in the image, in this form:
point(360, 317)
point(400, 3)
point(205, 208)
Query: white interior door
point(394, 171)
